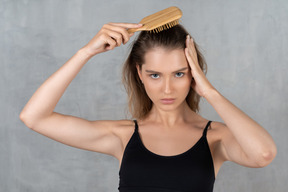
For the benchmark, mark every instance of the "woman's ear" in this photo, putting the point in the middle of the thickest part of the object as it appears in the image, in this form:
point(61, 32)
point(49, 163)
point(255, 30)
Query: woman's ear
point(139, 71)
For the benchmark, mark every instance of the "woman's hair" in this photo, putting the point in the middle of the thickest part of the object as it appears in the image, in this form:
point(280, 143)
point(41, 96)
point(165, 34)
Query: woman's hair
point(174, 38)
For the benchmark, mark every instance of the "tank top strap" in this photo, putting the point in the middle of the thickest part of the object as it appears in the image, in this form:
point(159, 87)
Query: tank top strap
point(206, 128)
point(136, 125)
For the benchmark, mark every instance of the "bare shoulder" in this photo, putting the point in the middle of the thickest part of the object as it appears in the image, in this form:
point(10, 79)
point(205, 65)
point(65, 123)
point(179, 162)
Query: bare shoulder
point(115, 126)
point(217, 128)
point(109, 136)
point(215, 125)
point(124, 130)
point(217, 131)
point(121, 129)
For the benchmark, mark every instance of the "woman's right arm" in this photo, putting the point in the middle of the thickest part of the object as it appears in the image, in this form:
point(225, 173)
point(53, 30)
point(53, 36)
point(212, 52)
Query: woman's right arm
point(38, 114)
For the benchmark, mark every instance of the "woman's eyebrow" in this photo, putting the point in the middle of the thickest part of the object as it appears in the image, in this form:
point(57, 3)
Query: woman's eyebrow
point(151, 71)
point(182, 69)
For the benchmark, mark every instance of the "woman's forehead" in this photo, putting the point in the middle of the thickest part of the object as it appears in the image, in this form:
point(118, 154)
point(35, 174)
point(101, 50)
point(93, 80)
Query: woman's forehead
point(158, 59)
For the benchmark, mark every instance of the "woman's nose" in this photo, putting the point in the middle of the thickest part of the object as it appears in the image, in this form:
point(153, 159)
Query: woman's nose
point(167, 86)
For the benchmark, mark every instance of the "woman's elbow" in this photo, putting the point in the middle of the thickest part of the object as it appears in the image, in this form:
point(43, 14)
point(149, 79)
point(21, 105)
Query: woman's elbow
point(26, 120)
point(267, 157)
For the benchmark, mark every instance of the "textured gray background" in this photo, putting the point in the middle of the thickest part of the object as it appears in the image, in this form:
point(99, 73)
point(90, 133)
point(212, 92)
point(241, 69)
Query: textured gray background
point(245, 45)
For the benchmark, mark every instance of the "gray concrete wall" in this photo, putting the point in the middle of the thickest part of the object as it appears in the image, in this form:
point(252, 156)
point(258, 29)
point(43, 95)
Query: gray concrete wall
point(245, 45)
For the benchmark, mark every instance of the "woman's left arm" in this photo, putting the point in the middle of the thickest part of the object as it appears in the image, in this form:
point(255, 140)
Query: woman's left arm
point(243, 140)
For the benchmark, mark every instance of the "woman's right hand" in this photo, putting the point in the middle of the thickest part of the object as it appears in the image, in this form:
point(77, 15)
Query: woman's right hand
point(111, 35)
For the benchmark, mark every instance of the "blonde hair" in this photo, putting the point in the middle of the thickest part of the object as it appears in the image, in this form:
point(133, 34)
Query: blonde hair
point(174, 38)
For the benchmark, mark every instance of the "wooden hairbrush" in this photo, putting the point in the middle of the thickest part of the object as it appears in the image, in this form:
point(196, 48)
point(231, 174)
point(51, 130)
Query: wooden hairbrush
point(160, 21)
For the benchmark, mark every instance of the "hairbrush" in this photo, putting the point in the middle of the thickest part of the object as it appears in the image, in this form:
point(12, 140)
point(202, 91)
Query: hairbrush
point(160, 20)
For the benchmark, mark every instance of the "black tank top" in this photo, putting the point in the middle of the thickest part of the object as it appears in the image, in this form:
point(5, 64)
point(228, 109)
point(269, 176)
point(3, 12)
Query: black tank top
point(144, 171)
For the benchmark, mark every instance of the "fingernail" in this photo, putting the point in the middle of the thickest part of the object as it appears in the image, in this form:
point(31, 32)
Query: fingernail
point(188, 37)
point(140, 24)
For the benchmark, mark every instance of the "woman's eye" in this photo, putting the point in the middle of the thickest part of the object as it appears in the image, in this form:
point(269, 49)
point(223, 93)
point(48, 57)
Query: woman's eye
point(154, 76)
point(180, 74)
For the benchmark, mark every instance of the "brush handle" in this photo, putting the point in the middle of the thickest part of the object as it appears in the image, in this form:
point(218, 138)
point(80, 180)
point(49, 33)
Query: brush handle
point(132, 30)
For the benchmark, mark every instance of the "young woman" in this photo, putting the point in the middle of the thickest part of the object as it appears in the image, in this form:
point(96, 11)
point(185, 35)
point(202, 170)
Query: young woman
point(169, 146)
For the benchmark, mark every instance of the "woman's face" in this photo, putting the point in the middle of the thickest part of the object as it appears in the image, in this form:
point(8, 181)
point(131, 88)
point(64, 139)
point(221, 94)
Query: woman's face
point(166, 77)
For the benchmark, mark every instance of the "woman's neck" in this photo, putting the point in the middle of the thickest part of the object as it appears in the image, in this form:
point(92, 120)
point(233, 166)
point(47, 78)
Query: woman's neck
point(169, 118)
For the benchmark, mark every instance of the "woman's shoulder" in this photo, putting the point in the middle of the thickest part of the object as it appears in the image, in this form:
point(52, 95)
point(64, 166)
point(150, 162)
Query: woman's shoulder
point(202, 122)
point(217, 130)
point(217, 125)
point(118, 127)
point(115, 124)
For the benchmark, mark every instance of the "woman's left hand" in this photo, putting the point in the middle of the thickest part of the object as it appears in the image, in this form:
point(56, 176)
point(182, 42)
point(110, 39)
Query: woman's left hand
point(200, 83)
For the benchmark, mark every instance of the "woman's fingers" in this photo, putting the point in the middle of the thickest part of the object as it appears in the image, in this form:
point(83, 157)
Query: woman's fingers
point(193, 49)
point(111, 35)
point(200, 83)
point(120, 34)
point(190, 45)
point(121, 29)
point(188, 57)
point(117, 37)
point(191, 52)
point(111, 43)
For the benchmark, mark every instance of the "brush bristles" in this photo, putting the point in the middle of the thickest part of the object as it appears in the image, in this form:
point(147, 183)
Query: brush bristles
point(166, 26)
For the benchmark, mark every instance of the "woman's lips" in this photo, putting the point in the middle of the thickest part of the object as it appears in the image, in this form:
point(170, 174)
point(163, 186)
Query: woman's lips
point(167, 100)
